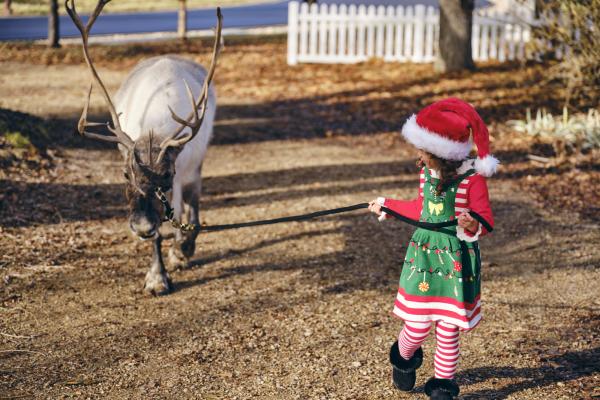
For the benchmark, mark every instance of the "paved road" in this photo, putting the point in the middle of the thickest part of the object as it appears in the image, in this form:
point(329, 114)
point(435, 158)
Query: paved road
point(32, 28)
point(257, 15)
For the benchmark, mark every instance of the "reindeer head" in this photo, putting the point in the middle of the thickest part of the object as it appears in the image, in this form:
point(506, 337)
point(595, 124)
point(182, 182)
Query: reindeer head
point(149, 161)
point(145, 173)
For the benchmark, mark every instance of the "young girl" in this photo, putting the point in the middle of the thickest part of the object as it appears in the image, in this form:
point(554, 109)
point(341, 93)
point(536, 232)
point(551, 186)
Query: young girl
point(440, 280)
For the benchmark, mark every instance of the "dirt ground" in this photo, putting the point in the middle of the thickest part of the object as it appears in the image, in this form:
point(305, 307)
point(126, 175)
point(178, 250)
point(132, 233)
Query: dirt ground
point(291, 311)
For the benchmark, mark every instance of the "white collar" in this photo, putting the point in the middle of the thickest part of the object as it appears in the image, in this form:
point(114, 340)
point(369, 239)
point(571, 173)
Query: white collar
point(465, 166)
point(433, 173)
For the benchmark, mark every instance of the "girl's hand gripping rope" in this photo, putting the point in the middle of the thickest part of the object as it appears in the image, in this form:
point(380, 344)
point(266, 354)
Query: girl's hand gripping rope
point(466, 221)
point(375, 207)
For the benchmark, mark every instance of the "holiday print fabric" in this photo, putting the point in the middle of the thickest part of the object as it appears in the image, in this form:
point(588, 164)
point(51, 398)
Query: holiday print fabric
point(440, 278)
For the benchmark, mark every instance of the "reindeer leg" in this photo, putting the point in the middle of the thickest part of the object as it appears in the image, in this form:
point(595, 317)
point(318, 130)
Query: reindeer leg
point(188, 246)
point(157, 279)
point(177, 258)
point(185, 242)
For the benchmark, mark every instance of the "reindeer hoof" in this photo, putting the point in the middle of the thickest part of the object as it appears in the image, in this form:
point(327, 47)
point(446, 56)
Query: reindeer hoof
point(176, 259)
point(157, 284)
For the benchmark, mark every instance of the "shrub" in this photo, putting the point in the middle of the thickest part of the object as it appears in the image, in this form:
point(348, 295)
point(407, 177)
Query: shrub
point(570, 31)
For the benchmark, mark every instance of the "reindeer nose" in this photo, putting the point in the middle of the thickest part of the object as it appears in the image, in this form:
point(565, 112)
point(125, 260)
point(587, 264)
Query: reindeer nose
point(143, 227)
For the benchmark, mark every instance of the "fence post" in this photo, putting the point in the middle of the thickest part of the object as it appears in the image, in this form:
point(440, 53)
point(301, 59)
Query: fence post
point(419, 33)
point(352, 32)
point(371, 31)
point(400, 23)
point(494, 36)
point(182, 27)
point(408, 33)
point(342, 28)
point(292, 56)
point(510, 36)
point(485, 34)
point(502, 42)
point(390, 16)
point(520, 42)
point(323, 19)
point(525, 39)
point(475, 36)
point(332, 30)
point(312, 16)
point(303, 30)
point(379, 31)
point(430, 21)
point(362, 16)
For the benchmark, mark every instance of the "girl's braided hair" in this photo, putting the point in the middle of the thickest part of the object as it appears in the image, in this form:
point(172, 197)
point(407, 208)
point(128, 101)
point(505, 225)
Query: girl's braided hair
point(446, 170)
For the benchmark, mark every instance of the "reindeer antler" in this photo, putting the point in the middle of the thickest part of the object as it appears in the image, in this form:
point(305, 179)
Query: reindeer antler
point(120, 136)
point(196, 117)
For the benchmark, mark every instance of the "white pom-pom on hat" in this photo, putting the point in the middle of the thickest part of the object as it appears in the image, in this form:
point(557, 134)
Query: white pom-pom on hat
point(487, 166)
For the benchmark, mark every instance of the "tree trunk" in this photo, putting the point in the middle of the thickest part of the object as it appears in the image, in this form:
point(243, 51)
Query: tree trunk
point(53, 25)
point(456, 23)
point(7, 7)
point(182, 20)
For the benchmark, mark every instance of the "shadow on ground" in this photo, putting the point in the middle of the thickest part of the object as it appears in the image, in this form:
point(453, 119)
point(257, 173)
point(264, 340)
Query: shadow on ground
point(358, 267)
point(25, 203)
point(364, 111)
point(562, 368)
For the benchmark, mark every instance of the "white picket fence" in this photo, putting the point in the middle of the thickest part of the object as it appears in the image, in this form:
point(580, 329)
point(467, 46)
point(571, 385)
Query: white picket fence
point(350, 34)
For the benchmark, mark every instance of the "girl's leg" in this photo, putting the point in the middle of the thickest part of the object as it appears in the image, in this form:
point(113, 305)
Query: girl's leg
point(406, 354)
point(411, 337)
point(447, 351)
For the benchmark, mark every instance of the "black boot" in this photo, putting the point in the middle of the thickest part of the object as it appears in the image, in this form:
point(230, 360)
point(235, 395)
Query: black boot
point(403, 371)
point(441, 389)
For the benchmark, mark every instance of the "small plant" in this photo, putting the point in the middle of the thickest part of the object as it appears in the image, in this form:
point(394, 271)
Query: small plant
point(567, 133)
point(17, 140)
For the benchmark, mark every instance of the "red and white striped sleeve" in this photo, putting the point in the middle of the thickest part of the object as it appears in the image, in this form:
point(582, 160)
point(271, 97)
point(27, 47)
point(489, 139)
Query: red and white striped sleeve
point(409, 208)
point(472, 195)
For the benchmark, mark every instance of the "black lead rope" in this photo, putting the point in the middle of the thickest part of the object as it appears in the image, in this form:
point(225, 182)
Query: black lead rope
point(431, 226)
point(293, 218)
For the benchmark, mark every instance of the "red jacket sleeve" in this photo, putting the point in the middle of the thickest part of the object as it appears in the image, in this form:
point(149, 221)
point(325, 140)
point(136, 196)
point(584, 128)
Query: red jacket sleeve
point(409, 208)
point(478, 200)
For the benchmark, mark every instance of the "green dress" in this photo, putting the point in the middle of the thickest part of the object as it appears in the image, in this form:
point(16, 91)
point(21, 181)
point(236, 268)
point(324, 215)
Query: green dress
point(440, 277)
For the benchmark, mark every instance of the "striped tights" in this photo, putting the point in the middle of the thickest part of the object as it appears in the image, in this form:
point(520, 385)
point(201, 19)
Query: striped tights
point(446, 352)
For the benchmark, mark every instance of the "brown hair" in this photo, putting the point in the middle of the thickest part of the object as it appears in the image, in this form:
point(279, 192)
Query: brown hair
point(446, 170)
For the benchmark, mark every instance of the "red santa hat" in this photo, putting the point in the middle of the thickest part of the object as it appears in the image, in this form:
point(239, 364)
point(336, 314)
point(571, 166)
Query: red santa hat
point(444, 129)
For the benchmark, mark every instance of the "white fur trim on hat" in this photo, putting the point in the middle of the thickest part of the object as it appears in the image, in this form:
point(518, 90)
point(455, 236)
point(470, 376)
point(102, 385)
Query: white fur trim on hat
point(433, 143)
point(487, 165)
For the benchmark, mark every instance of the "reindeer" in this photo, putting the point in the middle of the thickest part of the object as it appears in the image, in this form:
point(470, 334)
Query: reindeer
point(162, 151)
